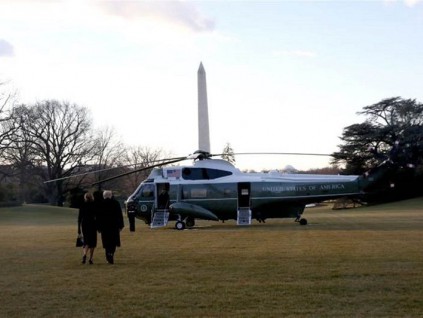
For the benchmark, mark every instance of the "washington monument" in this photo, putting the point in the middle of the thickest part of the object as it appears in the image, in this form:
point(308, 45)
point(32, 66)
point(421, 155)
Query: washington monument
point(203, 113)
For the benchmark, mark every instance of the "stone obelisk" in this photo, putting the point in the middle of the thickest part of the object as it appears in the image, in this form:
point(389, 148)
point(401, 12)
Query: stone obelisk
point(203, 112)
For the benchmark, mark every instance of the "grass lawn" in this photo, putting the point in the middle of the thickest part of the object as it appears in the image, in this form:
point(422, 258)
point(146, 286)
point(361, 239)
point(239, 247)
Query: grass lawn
point(364, 262)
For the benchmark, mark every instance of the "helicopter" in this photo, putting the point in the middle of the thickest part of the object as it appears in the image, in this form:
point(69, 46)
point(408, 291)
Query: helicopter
point(214, 189)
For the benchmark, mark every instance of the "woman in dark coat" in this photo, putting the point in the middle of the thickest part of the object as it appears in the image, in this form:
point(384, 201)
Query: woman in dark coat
point(110, 224)
point(87, 222)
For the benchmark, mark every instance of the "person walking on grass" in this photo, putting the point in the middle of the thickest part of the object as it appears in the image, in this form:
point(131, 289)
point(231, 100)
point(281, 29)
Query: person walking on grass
point(110, 223)
point(87, 225)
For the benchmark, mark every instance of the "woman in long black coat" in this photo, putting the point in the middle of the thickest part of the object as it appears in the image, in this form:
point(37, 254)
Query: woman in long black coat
point(110, 224)
point(88, 224)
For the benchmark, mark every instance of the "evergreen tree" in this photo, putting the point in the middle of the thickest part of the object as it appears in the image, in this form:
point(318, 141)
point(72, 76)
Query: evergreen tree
point(393, 129)
point(228, 153)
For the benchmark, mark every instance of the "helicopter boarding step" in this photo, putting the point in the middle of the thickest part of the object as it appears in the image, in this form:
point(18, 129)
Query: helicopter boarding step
point(159, 219)
point(244, 216)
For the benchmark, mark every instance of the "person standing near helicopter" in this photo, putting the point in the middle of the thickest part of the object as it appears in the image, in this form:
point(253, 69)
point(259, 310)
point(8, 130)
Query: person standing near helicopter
point(131, 219)
point(110, 224)
point(87, 225)
point(163, 200)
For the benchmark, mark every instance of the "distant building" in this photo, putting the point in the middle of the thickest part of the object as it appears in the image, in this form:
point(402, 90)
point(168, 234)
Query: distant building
point(289, 169)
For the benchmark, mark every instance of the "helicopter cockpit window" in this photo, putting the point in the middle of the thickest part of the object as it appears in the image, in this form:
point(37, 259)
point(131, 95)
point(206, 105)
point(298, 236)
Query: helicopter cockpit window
point(203, 173)
point(147, 191)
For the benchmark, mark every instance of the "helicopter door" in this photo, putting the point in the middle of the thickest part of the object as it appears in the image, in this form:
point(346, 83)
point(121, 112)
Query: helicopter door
point(160, 213)
point(244, 211)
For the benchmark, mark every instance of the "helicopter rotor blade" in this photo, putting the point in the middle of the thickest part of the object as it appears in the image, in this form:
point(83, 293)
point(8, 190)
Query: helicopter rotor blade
point(194, 156)
point(112, 168)
point(174, 160)
point(80, 174)
point(278, 153)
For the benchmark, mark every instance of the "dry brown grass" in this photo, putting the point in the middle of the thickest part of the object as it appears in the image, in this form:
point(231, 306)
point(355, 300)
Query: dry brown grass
point(359, 262)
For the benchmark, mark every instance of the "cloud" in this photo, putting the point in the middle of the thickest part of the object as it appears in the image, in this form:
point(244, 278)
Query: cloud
point(411, 3)
point(176, 12)
point(6, 49)
point(408, 3)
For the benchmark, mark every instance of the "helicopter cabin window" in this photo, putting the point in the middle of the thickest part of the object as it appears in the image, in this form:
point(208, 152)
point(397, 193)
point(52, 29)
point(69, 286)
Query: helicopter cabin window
point(198, 193)
point(193, 193)
point(203, 173)
point(227, 192)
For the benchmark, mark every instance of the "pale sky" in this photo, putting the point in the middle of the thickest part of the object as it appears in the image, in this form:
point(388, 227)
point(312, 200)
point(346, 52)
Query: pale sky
point(282, 76)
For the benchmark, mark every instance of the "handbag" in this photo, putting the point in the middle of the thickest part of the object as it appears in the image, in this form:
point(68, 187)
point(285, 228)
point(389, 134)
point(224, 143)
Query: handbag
point(79, 241)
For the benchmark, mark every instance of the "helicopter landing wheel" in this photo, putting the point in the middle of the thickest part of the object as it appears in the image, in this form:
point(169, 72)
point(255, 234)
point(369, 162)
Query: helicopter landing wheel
point(190, 222)
point(303, 222)
point(179, 225)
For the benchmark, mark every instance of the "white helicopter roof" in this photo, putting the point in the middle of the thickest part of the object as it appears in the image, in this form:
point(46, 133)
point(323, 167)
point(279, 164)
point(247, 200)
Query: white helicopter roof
point(176, 172)
point(219, 164)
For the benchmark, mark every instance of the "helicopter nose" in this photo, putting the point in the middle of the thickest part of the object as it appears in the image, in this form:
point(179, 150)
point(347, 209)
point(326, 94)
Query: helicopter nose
point(130, 206)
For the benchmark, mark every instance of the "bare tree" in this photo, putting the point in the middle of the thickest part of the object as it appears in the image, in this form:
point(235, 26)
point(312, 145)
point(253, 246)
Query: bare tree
point(8, 124)
point(109, 153)
point(140, 158)
point(60, 136)
point(22, 164)
point(9, 128)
